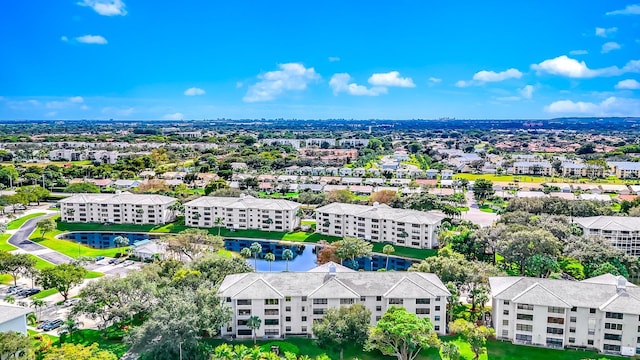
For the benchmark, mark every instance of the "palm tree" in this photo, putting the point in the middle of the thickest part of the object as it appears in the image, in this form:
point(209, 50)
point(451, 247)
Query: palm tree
point(253, 323)
point(219, 222)
point(38, 304)
point(287, 255)
point(176, 207)
point(70, 326)
point(387, 250)
point(10, 299)
point(270, 257)
point(32, 319)
point(256, 249)
point(245, 253)
point(120, 241)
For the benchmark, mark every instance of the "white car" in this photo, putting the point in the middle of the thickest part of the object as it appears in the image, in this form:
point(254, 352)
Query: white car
point(70, 302)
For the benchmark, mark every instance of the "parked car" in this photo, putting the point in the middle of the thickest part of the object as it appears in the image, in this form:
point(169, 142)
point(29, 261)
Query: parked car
point(98, 258)
point(33, 291)
point(53, 324)
point(112, 261)
point(14, 289)
point(71, 302)
point(43, 324)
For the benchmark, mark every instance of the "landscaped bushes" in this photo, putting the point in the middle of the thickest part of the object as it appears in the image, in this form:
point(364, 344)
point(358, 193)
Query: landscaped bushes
point(284, 347)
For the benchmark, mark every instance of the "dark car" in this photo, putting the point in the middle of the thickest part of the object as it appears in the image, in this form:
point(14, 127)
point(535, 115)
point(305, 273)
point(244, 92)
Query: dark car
point(43, 324)
point(14, 289)
point(112, 261)
point(98, 258)
point(53, 324)
point(33, 291)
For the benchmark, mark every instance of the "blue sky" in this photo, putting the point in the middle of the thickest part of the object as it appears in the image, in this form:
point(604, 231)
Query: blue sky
point(124, 59)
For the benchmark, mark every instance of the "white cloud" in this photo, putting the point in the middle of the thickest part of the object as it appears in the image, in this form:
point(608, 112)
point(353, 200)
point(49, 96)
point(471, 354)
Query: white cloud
point(92, 39)
point(629, 84)
point(64, 38)
point(334, 59)
point(435, 80)
point(76, 99)
point(341, 83)
point(492, 76)
point(239, 84)
point(106, 7)
point(118, 112)
point(63, 104)
point(605, 32)
point(509, 98)
point(611, 106)
point(462, 83)
point(174, 116)
point(633, 9)
point(290, 77)
point(527, 91)
point(51, 113)
point(609, 46)
point(390, 79)
point(578, 52)
point(566, 66)
point(194, 91)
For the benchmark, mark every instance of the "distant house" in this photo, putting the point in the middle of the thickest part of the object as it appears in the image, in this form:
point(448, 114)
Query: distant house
point(446, 174)
point(431, 173)
point(345, 171)
point(148, 250)
point(126, 184)
point(310, 187)
point(361, 189)
point(594, 197)
point(14, 318)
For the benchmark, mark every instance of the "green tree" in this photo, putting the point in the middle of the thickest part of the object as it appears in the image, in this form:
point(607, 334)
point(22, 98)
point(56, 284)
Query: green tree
point(287, 255)
point(69, 328)
point(15, 346)
point(342, 327)
point(520, 245)
point(46, 225)
point(401, 334)
point(449, 351)
point(475, 335)
point(352, 247)
point(79, 352)
point(388, 250)
point(254, 323)
point(62, 277)
point(15, 265)
point(219, 223)
point(270, 257)
point(120, 241)
point(215, 185)
point(83, 187)
point(245, 253)
point(482, 189)
point(193, 243)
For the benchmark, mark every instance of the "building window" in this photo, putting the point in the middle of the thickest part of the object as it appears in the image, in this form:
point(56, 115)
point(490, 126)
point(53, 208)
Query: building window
point(572, 330)
point(524, 317)
point(589, 342)
point(574, 309)
point(318, 311)
point(611, 347)
point(423, 311)
point(525, 307)
point(436, 328)
point(506, 302)
point(423, 301)
point(271, 301)
point(614, 315)
point(572, 340)
point(347, 301)
point(592, 310)
point(287, 318)
point(555, 320)
point(244, 312)
point(378, 308)
point(271, 321)
point(396, 301)
point(320, 301)
point(572, 319)
point(304, 318)
point(378, 298)
point(287, 298)
point(613, 326)
point(437, 308)
point(505, 312)
point(288, 308)
point(436, 318)
point(615, 337)
point(524, 338)
point(303, 329)
point(524, 327)
point(505, 333)
point(271, 312)
point(244, 302)
point(557, 331)
point(505, 322)
point(555, 310)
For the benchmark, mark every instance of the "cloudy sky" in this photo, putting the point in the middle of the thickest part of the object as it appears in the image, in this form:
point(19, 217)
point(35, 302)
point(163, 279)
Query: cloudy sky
point(123, 59)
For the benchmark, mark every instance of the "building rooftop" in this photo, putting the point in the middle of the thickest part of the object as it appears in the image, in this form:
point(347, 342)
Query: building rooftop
point(121, 198)
point(10, 312)
point(607, 293)
point(610, 223)
point(382, 212)
point(243, 202)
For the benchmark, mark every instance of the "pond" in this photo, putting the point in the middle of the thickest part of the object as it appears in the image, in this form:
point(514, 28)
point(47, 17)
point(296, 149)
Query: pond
point(304, 255)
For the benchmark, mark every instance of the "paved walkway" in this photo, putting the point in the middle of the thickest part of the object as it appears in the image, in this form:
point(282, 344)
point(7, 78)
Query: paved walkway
point(20, 239)
point(475, 215)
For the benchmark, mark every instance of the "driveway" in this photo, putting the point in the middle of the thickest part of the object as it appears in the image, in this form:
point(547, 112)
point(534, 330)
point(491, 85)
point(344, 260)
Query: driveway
point(20, 239)
point(475, 215)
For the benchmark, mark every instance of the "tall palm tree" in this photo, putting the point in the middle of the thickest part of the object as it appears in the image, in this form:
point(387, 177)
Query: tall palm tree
point(256, 249)
point(219, 222)
point(287, 255)
point(175, 208)
point(268, 221)
point(32, 319)
point(70, 326)
point(388, 250)
point(38, 304)
point(254, 323)
point(270, 257)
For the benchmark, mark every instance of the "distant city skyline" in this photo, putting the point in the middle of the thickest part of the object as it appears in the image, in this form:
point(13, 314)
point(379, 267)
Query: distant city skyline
point(120, 59)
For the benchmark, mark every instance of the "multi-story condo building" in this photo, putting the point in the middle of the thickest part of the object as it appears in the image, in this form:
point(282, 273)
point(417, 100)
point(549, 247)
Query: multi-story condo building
point(622, 232)
point(118, 208)
point(288, 303)
point(244, 212)
point(380, 223)
point(601, 313)
point(532, 168)
point(625, 169)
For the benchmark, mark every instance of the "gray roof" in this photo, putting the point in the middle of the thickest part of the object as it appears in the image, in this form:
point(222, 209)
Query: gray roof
point(625, 165)
point(542, 164)
point(324, 268)
point(122, 198)
point(600, 292)
point(382, 212)
point(243, 202)
point(339, 285)
point(10, 312)
point(612, 223)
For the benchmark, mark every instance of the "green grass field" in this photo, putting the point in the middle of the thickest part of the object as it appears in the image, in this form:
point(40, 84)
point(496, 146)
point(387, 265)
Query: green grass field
point(70, 248)
point(17, 223)
point(4, 245)
point(44, 293)
point(41, 263)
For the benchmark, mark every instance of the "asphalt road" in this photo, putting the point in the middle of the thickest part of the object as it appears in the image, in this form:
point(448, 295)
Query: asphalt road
point(21, 240)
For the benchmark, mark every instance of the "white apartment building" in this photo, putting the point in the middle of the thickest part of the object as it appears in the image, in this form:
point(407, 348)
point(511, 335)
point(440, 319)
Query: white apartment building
point(601, 313)
point(622, 231)
point(380, 223)
point(118, 208)
point(244, 212)
point(67, 154)
point(289, 302)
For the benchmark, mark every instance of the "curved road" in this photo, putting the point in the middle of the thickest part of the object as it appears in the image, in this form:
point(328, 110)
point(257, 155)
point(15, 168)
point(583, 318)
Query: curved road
point(21, 240)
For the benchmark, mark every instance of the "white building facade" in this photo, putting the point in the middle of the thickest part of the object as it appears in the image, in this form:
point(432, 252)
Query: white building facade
point(119, 208)
point(622, 232)
point(601, 313)
point(380, 223)
point(244, 212)
point(288, 303)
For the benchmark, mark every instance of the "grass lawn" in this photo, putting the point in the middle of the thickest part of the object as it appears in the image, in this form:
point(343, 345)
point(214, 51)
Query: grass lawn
point(89, 336)
point(44, 293)
point(70, 248)
point(4, 245)
point(487, 209)
point(17, 223)
point(307, 222)
point(498, 350)
point(93, 275)
point(6, 279)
